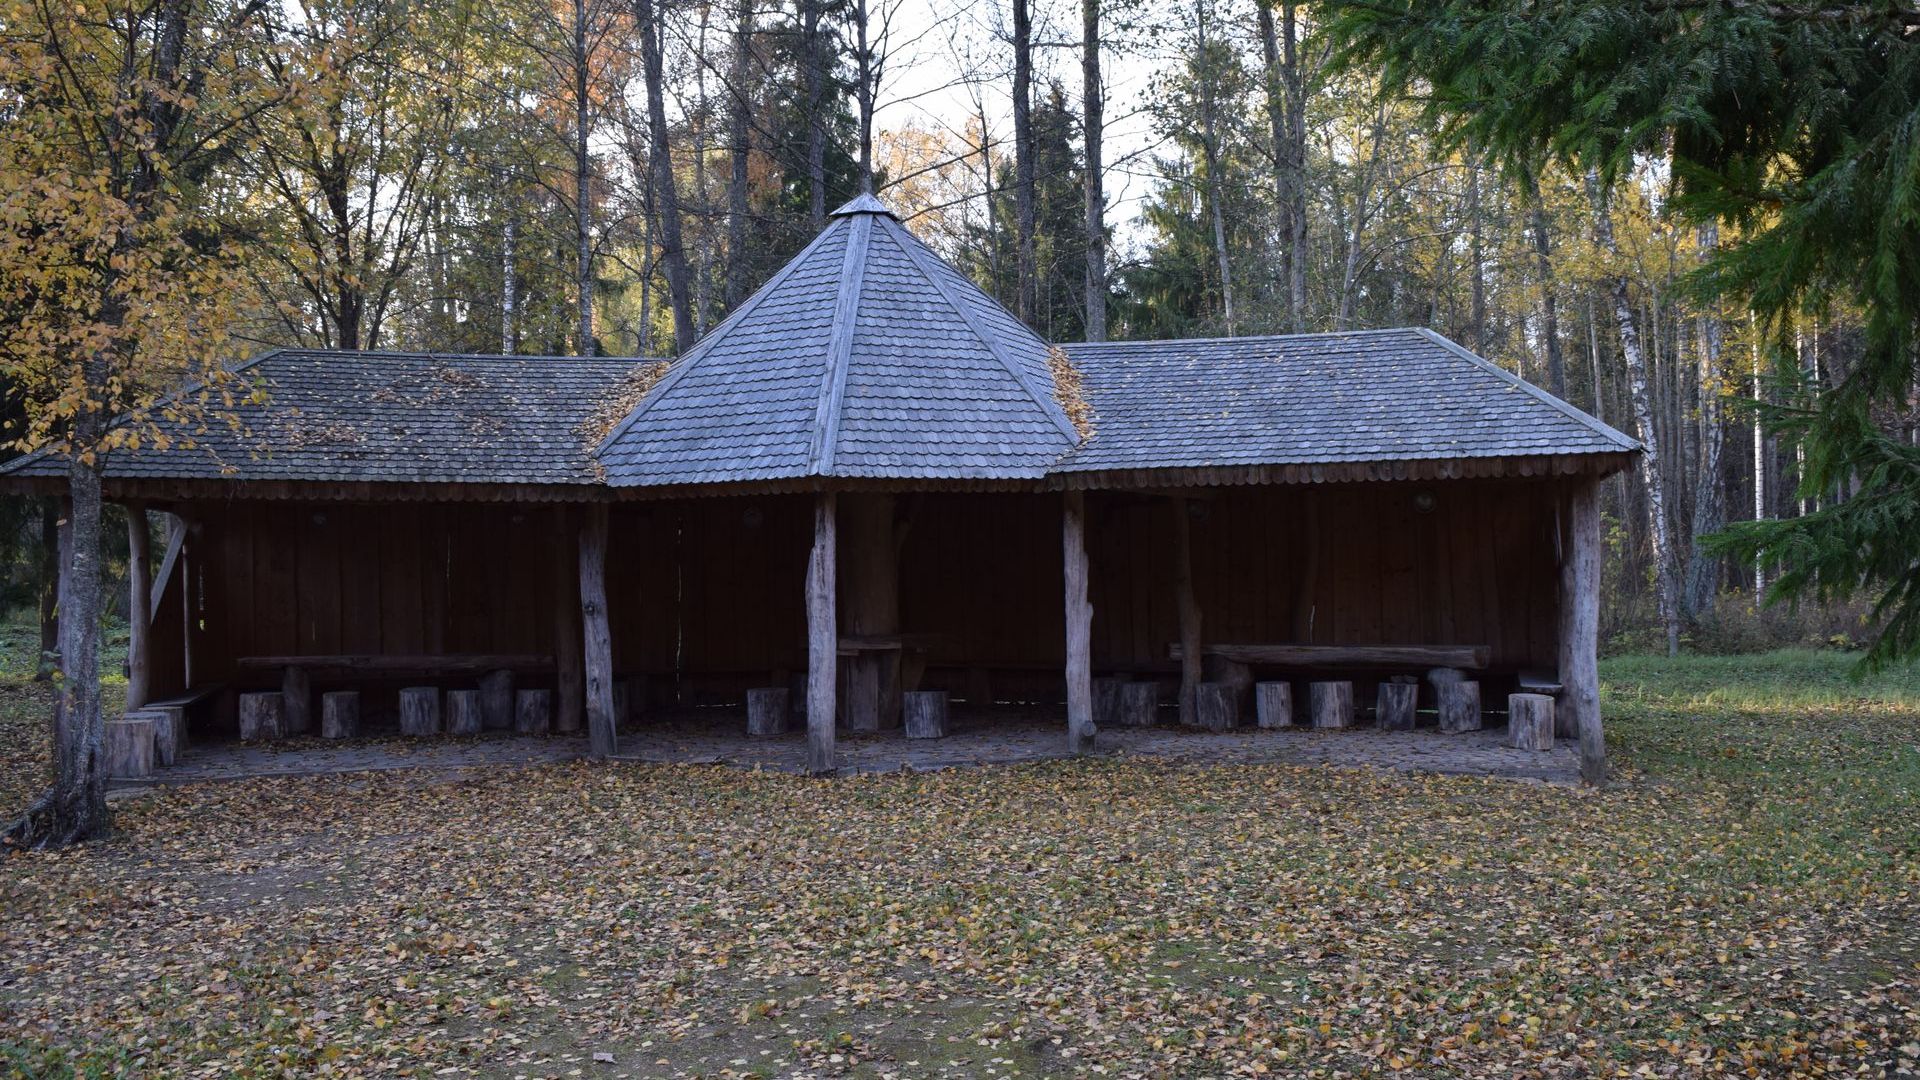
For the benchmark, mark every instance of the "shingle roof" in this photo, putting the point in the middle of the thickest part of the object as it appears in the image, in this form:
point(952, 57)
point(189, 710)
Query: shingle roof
point(1377, 395)
point(394, 417)
point(866, 356)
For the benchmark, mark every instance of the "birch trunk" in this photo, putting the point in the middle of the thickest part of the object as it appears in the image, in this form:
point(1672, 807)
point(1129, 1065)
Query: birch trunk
point(1652, 475)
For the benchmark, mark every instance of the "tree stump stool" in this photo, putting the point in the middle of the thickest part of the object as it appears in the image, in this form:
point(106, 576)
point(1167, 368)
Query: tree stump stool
point(1393, 708)
point(1273, 704)
point(260, 717)
point(1106, 700)
point(1459, 706)
point(924, 713)
point(1331, 704)
point(296, 701)
point(128, 746)
point(496, 701)
point(533, 712)
point(466, 714)
point(767, 710)
point(1139, 704)
point(1216, 706)
point(169, 731)
point(420, 710)
point(1530, 721)
point(340, 714)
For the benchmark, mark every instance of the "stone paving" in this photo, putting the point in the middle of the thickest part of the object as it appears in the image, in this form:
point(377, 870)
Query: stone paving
point(1005, 736)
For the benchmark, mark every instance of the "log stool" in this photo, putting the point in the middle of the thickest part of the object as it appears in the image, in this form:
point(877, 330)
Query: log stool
point(1530, 721)
point(1139, 704)
point(533, 712)
point(1459, 706)
point(340, 714)
point(1106, 700)
point(767, 710)
point(496, 700)
point(1393, 708)
point(925, 713)
point(129, 747)
point(465, 715)
point(420, 710)
point(1216, 706)
point(1273, 704)
point(260, 717)
point(169, 731)
point(1331, 704)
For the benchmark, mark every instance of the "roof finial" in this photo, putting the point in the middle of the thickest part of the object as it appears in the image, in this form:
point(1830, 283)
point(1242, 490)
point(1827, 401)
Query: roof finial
point(864, 203)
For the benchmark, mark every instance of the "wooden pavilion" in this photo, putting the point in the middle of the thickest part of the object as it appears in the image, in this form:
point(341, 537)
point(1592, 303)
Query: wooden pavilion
point(872, 479)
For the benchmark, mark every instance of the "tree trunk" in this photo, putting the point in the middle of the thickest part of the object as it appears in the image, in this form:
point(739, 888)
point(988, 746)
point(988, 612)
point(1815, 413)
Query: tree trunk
point(738, 147)
point(1026, 297)
point(1079, 623)
point(1709, 497)
point(1286, 117)
point(823, 635)
point(1092, 122)
point(1476, 253)
point(1580, 561)
point(596, 641)
point(816, 74)
point(866, 75)
point(673, 256)
point(508, 297)
point(582, 202)
point(1652, 475)
point(1543, 264)
point(1760, 457)
point(1210, 147)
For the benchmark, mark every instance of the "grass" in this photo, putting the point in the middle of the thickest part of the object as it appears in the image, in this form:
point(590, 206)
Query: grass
point(1743, 902)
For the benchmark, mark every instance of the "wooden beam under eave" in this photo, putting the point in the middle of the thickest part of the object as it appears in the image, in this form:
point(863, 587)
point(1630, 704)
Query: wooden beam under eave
point(1079, 620)
point(596, 639)
point(1580, 562)
point(823, 635)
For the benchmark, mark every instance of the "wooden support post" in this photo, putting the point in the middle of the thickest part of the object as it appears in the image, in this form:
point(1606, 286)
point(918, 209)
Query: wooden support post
point(767, 711)
point(139, 607)
point(1459, 706)
point(1139, 704)
point(1394, 704)
point(296, 701)
point(259, 717)
point(570, 681)
point(925, 713)
point(532, 712)
point(1580, 562)
point(1189, 605)
point(1273, 704)
point(823, 636)
point(340, 714)
point(128, 747)
point(420, 710)
point(869, 582)
point(1216, 706)
point(496, 700)
point(1331, 704)
point(465, 713)
point(596, 640)
point(1079, 612)
point(1530, 721)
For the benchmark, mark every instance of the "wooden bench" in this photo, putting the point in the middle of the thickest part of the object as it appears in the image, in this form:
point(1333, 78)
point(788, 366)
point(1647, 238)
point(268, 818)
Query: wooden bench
point(401, 666)
point(1464, 657)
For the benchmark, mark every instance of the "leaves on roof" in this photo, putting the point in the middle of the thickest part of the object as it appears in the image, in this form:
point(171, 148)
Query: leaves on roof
point(625, 397)
point(1069, 392)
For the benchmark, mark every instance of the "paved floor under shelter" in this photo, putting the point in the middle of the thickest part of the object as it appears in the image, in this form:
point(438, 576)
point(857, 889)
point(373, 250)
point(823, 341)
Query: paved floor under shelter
point(717, 736)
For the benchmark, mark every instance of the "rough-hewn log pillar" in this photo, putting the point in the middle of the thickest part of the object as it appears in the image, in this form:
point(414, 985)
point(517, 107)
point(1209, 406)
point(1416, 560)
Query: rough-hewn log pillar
point(595, 639)
point(1580, 628)
point(1190, 659)
point(1079, 612)
point(570, 680)
point(870, 596)
point(139, 607)
point(823, 636)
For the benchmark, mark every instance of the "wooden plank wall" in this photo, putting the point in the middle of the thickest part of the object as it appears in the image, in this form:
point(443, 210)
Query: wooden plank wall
point(709, 592)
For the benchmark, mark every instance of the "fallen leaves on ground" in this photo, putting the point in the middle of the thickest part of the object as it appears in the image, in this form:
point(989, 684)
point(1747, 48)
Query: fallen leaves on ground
point(1751, 914)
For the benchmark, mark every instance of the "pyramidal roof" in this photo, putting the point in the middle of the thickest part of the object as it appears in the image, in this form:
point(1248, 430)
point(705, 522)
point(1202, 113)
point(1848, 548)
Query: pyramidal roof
point(866, 356)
